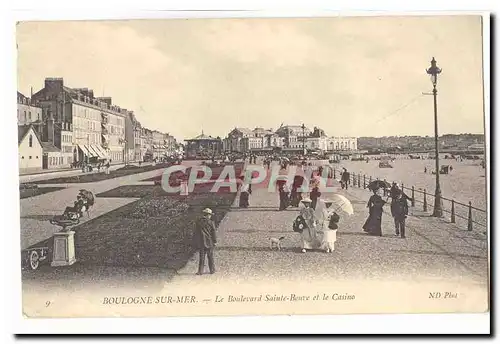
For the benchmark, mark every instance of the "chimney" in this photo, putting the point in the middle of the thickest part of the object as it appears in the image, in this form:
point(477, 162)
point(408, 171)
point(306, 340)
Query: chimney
point(106, 100)
point(91, 94)
point(50, 129)
point(54, 84)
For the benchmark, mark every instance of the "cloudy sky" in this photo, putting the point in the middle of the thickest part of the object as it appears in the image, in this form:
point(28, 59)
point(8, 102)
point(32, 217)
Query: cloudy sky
point(359, 76)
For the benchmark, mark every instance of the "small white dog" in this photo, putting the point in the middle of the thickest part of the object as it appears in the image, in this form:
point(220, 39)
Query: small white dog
point(277, 242)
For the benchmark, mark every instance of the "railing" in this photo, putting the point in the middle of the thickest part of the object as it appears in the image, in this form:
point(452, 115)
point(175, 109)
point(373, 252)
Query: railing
point(462, 214)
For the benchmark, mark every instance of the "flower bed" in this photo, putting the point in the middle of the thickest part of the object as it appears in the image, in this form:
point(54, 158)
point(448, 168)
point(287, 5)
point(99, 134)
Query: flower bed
point(155, 231)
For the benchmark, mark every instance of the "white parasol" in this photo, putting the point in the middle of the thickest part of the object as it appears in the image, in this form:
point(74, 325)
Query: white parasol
point(341, 203)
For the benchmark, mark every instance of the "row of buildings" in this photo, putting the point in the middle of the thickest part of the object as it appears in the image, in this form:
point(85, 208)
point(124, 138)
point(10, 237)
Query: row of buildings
point(287, 138)
point(60, 126)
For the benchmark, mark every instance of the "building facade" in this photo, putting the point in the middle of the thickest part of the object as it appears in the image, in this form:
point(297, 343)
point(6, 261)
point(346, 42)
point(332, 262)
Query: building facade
point(30, 148)
point(293, 135)
point(97, 126)
point(342, 143)
point(245, 140)
point(28, 111)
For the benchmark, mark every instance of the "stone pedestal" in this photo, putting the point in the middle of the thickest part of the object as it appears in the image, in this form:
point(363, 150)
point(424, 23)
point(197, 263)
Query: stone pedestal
point(184, 189)
point(64, 249)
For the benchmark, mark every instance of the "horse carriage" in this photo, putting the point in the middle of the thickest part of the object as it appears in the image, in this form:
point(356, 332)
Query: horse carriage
point(445, 169)
point(32, 257)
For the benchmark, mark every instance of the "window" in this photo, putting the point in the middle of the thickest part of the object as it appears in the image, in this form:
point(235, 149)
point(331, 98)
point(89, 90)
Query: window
point(30, 157)
point(37, 156)
point(38, 117)
point(22, 157)
point(31, 141)
point(29, 116)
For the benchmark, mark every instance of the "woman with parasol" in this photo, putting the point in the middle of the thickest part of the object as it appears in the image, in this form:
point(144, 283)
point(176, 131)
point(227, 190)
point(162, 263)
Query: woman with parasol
point(327, 214)
point(373, 224)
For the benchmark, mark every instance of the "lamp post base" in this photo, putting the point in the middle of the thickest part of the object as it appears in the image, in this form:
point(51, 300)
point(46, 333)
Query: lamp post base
point(438, 205)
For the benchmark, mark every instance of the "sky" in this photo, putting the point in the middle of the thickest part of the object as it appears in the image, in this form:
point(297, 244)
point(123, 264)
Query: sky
point(351, 76)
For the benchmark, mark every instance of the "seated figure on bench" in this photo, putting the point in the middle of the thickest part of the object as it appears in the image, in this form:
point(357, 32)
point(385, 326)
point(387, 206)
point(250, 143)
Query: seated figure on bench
point(78, 208)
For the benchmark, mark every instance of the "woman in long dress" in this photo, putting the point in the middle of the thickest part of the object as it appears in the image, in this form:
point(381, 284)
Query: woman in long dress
point(373, 224)
point(327, 224)
point(309, 234)
point(244, 195)
point(296, 195)
point(284, 196)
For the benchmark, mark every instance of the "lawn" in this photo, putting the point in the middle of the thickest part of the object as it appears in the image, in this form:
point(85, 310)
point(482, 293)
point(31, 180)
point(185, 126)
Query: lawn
point(31, 192)
point(155, 231)
point(96, 177)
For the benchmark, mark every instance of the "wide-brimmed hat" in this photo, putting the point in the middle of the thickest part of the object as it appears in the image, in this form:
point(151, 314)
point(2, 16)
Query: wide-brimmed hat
point(207, 211)
point(306, 200)
point(328, 201)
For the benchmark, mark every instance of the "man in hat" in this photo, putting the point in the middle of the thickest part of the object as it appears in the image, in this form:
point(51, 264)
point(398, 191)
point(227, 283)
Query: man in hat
point(345, 179)
point(205, 240)
point(399, 210)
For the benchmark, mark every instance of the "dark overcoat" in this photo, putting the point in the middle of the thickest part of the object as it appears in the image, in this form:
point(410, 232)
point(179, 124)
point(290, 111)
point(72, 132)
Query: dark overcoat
point(204, 233)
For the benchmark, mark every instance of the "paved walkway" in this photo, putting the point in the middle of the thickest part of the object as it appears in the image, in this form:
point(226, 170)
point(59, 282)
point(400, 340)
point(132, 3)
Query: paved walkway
point(431, 249)
point(44, 175)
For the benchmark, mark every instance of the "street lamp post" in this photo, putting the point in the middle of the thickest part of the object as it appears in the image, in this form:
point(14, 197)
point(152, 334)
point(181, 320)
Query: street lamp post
point(433, 71)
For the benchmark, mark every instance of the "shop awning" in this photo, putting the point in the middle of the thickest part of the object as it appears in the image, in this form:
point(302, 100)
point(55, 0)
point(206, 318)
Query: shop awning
point(93, 151)
point(85, 150)
point(97, 149)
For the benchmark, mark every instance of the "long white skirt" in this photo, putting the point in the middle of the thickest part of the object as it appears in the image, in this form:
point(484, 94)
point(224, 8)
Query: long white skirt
point(329, 239)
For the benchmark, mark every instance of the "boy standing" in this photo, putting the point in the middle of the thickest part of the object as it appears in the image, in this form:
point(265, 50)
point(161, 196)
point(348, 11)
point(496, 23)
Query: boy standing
point(399, 210)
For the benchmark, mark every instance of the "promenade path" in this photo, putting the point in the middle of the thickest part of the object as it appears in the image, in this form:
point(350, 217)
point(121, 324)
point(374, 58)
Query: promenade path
point(432, 249)
point(49, 174)
point(35, 212)
point(387, 274)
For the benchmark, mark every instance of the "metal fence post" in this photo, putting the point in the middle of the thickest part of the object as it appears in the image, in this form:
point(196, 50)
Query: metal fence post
point(334, 173)
point(402, 188)
point(359, 180)
point(469, 222)
point(452, 219)
point(425, 200)
point(413, 196)
point(364, 181)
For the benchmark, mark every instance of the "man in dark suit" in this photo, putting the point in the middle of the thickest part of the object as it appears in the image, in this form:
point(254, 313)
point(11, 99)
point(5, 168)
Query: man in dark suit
point(205, 240)
point(399, 210)
point(345, 179)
